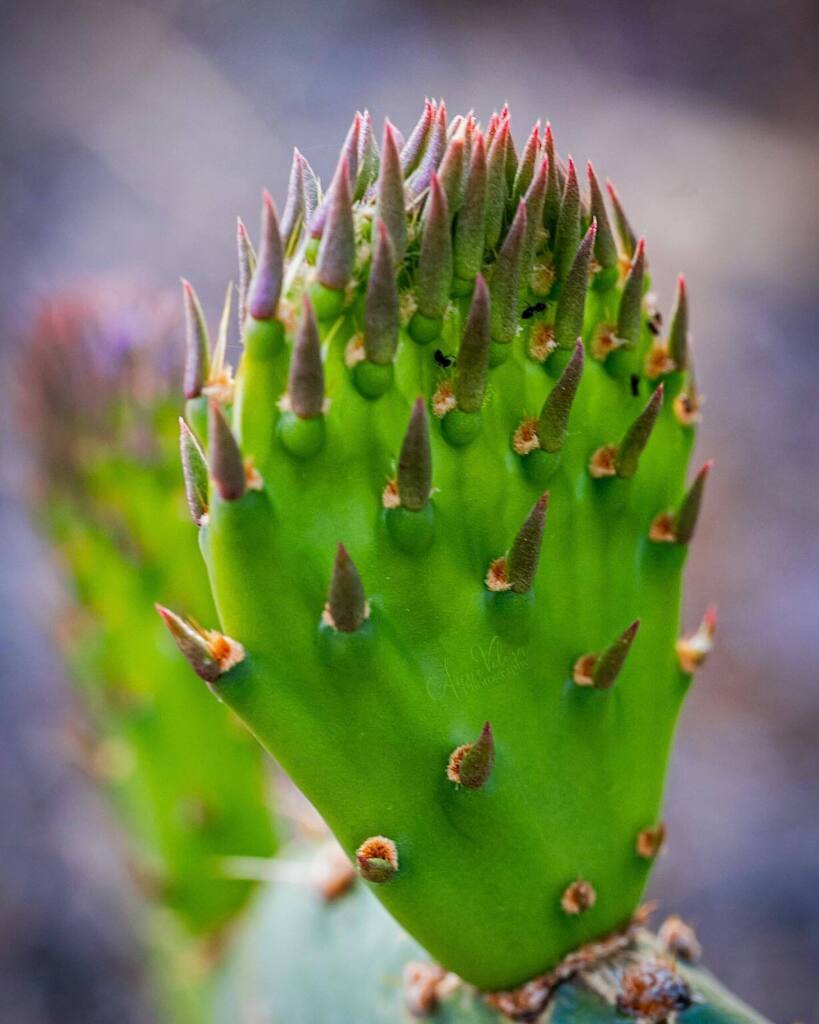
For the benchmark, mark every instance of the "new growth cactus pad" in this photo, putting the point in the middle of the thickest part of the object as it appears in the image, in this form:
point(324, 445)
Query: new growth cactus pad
point(190, 785)
point(445, 507)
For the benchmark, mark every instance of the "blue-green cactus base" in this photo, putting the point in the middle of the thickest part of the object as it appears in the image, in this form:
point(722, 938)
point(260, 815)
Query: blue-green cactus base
point(302, 960)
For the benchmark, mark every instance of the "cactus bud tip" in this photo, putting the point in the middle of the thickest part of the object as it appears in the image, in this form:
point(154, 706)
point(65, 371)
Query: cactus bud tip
point(226, 465)
point(265, 287)
point(347, 607)
point(414, 480)
point(209, 652)
point(601, 670)
point(470, 764)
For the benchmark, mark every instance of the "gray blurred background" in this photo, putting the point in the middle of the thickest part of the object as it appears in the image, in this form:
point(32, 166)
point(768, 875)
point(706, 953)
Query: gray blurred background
point(131, 136)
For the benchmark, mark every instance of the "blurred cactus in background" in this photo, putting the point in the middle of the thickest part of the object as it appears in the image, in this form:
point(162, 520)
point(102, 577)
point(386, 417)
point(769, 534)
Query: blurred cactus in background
point(99, 409)
point(445, 507)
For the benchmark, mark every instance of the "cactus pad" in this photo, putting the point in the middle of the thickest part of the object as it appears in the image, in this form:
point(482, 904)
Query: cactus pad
point(445, 531)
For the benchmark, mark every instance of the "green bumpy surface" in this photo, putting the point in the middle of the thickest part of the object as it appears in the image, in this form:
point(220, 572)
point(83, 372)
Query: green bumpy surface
point(364, 722)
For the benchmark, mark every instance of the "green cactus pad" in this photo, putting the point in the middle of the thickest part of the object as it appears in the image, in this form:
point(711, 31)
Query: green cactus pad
point(582, 712)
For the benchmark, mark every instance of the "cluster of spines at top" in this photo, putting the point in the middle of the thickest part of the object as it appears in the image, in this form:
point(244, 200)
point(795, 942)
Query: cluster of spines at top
point(440, 210)
point(454, 169)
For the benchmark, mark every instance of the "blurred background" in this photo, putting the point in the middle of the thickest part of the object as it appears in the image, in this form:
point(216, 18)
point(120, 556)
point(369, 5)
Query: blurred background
point(132, 133)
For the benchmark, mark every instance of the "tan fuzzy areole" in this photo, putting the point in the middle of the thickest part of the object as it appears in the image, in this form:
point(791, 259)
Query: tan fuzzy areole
point(650, 841)
point(525, 439)
point(496, 578)
point(602, 462)
point(578, 897)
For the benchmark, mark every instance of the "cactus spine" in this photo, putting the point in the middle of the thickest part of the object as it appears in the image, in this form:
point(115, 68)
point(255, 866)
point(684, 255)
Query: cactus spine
point(439, 538)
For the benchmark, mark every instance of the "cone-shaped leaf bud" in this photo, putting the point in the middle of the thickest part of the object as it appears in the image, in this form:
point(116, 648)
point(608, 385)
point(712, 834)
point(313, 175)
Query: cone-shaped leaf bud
point(628, 240)
point(415, 461)
point(470, 131)
point(611, 661)
point(522, 560)
point(192, 642)
point(526, 168)
point(247, 267)
point(534, 199)
point(605, 249)
point(226, 465)
point(685, 522)
point(293, 214)
point(266, 286)
point(505, 284)
point(636, 438)
point(210, 653)
point(433, 154)
point(434, 276)
point(571, 305)
point(377, 859)
point(381, 312)
point(451, 172)
point(492, 128)
point(551, 205)
point(367, 156)
point(417, 142)
point(194, 472)
point(629, 314)
point(606, 666)
point(336, 256)
point(470, 765)
point(346, 605)
point(496, 185)
point(349, 149)
point(567, 234)
point(678, 331)
point(561, 175)
point(197, 344)
point(305, 384)
point(511, 163)
point(552, 426)
point(457, 123)
point(390, 195)
point(312, 190)
point(471, 227)
point(473, 354)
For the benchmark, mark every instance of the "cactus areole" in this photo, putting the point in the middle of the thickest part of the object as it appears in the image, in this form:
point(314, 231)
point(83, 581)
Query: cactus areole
point(429, 532)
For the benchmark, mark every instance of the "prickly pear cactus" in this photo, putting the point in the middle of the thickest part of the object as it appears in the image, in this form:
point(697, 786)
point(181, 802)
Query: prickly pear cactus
point(445, 507)
point(97, 385)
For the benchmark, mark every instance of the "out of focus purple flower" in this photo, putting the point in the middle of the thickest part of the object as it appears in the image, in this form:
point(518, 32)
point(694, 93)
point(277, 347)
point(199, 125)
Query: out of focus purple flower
point(98, 360)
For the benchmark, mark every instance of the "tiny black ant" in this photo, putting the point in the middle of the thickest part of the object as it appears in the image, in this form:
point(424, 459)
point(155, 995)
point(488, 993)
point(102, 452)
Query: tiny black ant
point(635, 385)
point(653, 327)
point(530, 311)
point(443, 360)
